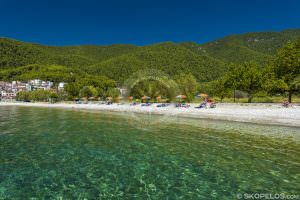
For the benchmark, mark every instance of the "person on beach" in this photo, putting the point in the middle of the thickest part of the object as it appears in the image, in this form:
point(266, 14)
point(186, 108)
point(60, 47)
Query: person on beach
point(203, 104)
point(286, 104)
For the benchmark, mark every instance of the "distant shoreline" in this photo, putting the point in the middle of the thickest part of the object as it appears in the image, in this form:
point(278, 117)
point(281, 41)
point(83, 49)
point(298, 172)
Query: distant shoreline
point(272, 114)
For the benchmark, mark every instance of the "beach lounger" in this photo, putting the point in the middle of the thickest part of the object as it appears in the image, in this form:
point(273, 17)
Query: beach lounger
point(202, 105)
point(212, 105)
point(162, 105)
point(185, 106)
point(182, 105)
point(178, 105)
point(146, 104)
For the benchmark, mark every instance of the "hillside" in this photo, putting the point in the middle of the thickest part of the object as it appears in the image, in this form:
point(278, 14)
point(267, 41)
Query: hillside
point(205, 61)
point(116, 61)
point(259, 46)
point(168, 57)
point(15, 53)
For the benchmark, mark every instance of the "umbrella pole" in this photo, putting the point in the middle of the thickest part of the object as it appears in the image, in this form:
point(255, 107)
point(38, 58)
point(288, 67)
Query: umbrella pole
point(234, 96)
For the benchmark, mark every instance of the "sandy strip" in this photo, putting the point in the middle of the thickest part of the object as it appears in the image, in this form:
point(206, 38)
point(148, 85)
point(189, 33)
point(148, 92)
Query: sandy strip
point(253, 113)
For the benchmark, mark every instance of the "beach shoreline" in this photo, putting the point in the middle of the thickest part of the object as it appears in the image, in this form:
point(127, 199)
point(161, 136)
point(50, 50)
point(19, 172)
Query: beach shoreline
point(272, 114)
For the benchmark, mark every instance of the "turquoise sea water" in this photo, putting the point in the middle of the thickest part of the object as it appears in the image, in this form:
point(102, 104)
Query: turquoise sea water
point(67, 154)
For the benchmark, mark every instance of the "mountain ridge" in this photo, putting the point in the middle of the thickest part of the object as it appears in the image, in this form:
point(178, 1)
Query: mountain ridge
point(205, 61)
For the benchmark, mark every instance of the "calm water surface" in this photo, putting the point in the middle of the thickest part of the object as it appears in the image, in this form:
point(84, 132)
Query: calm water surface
point(66, 154)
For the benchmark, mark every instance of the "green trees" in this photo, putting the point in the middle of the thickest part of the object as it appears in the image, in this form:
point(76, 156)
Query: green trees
point(73, 89)
point(187, 85)
point(117, 62)
point(251, 79)
point(220, 88)
point(153, 88)
point(38, 95)
point(53, 97)
point(100, 83)
point(23, 96)
point(280, 76)
point(287, 67)
point(87, 92)
point(246, 77)
point(112, 92)
point(185, 63)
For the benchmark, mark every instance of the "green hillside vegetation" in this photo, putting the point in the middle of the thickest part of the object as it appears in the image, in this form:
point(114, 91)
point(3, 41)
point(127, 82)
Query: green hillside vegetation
point(55, 73)
point(105, 67)
point(281, 76)
point(170, 58)
point(15, 53)
point(206, 62)
point(259, 47)
point(92, 52)
point(116, 61)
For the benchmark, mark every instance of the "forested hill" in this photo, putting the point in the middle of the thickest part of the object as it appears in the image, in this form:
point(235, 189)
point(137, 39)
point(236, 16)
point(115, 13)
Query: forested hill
point(16, 53)
point(259, 46)
point(205, 61)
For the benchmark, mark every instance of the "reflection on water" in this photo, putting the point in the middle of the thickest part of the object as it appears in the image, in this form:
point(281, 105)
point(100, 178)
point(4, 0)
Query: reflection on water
point(54, 153)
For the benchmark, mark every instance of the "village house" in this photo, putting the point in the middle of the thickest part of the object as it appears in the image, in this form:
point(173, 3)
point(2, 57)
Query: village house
point(38, 84)
point(61, 86)
point(8, 95)
point(9, 90)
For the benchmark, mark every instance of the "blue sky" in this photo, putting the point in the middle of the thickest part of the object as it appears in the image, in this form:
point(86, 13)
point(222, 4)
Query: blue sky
point(141, 22)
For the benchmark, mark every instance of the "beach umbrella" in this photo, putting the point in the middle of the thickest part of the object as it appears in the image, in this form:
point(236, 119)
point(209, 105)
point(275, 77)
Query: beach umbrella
point(130, 98)
point(109, 98)
point(203, 95)
point(158, 98)
point(145, 97)
point(118, 98)
point(181, 96)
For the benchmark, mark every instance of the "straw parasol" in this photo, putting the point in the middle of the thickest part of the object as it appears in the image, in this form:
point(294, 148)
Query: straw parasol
point(130, 98)
point(118, 98)
point(145, 97)
point(181, 96)
point(109, 98)
point(203, 95)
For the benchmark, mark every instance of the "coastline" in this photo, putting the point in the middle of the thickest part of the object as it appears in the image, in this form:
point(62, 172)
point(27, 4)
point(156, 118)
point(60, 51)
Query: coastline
point(272, 114)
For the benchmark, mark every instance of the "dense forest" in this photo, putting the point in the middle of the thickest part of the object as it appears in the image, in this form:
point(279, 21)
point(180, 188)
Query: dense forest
point(108, 66)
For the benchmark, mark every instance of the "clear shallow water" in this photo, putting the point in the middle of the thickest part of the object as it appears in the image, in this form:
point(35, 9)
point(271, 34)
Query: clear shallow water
point(65, 154)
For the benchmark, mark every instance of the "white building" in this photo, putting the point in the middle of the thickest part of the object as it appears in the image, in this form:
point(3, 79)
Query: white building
point(61, 86)
point(28, 87)
point(8, 95)
point(123, 91)
point(38, 84)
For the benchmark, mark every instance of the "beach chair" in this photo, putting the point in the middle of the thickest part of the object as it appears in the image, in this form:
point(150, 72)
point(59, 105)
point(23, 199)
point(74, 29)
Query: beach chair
point(163, 105)
point(212, 105)
point(185, 105)
point(178, 105)
point(202, 105)
point(109, 103)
